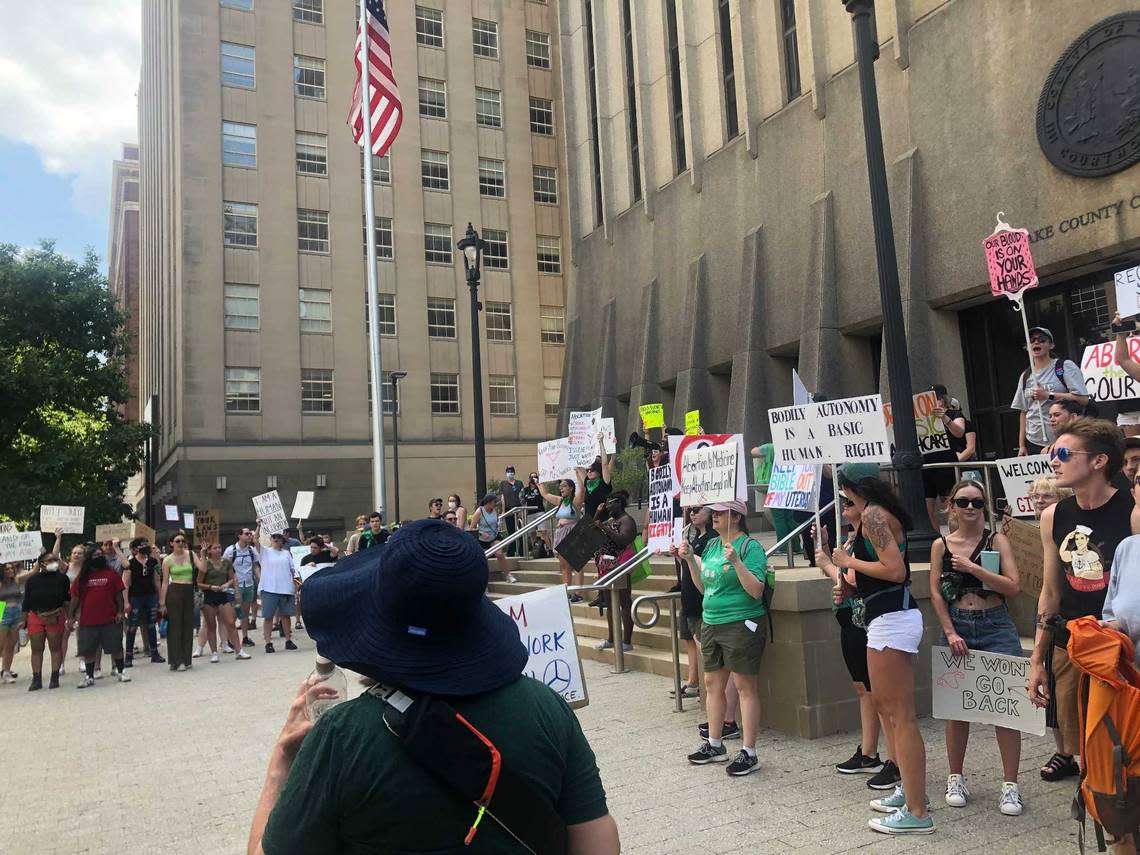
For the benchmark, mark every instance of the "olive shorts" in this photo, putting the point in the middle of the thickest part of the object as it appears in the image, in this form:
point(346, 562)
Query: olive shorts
point(735, 646)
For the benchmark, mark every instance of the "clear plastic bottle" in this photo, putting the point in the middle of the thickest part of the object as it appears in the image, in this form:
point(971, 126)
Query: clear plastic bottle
point(328, 674)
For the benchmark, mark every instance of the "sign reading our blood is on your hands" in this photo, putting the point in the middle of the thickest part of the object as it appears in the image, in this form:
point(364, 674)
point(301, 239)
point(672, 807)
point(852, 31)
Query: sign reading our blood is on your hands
point(1009, 262)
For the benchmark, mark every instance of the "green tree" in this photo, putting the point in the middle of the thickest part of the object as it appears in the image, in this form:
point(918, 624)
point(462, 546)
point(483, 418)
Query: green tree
point(63, 352)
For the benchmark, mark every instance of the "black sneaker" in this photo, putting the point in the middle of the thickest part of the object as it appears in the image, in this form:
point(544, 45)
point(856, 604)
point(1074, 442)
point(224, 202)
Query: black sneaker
point(289, 645)
point(859, 764)
point(129, 662)
point(53, 683)
point(37, 683)
point(743, 764)
point(707, 753)
point(155, 657)
point(247, 642)
point(269, 648)
point(731, 730)
point(886, 778)
point(252, 623)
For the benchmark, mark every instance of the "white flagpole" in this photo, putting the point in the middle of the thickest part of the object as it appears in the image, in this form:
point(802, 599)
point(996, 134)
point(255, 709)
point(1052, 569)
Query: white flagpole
point(373, 287)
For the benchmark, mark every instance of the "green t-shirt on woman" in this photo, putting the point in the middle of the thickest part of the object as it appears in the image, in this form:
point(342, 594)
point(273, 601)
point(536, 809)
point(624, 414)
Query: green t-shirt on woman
point(725, 600)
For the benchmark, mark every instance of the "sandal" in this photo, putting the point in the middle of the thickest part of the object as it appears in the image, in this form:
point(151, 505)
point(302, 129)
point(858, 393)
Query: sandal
point(1059, 767)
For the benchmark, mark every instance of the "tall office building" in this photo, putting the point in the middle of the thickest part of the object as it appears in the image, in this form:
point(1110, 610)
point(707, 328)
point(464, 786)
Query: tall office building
point(253, 321)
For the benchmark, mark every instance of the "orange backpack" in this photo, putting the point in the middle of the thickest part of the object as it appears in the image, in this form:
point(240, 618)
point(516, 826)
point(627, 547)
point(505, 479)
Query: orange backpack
point(1109, 701)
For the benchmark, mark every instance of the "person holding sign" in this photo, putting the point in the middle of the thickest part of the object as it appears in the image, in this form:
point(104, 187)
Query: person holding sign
point(44, 606)
point(978, 573)
point(569, 502)
point(936, 483)
point(1051, 380)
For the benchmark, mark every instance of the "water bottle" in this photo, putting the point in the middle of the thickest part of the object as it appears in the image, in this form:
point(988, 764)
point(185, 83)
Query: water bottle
point(328, 674)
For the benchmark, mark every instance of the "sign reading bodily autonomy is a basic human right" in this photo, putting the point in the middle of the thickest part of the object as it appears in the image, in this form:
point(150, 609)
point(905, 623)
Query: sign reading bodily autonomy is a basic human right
point(546, 629)
point(847, 430)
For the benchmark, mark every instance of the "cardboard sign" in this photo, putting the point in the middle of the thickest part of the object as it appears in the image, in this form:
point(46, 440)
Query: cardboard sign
point(206, 524)
point(1128, 292)
point(1009, 262)
point(794, 487)
point(708, 475)
point(584, 427)
point(847, 430)
point(171, 513)
point(681, 446)
point(609, 439)
point(1017, 476)
point(272, 514)
point(1028, 554)
point(932, 435)
point(66, 517)
point(20, 546)
point(303, 505)
point(660, 528)
point(554, 460)
point(546, 629)
point(988, 688)
point(580, 544)
point(124, 532)
point(652, 415)
point(1105, 380)
point(693, 423)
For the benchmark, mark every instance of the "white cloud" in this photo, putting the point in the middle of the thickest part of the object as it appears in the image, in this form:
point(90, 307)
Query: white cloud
point(69, 71)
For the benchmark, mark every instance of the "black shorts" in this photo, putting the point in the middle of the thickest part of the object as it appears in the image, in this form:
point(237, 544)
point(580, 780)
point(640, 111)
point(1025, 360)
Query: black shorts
point(937, 482)
point(853, 643)
point(215, 598)
point(690, 628)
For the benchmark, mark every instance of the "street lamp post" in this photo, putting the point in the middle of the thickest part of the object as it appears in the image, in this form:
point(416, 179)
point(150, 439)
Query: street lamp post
point(472, 247)
point(907, 459)
point(395, 377)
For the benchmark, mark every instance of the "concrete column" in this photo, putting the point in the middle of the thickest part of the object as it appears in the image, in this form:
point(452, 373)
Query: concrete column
point(606, 389)
point(751, 392)
point(646, 388)
point(694, 381)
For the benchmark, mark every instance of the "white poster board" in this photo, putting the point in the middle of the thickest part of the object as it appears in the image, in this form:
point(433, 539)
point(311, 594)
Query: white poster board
point(846, 430)
point(583, 430)
point(1017, 476)
point(298, 552)
point(20, 546)
point(272, 514)
point(66, 517)
point(1128, 292)
point(609, 439)
point(172, 513)
point(303, 505)
point(988, 688)
point(188, 520)
point(1105, 380)
point(659, 532)
point(554, 460)
point(681, 446)
point(10, 528)
point(794, 487)
point(546, 629)
point(709, 475)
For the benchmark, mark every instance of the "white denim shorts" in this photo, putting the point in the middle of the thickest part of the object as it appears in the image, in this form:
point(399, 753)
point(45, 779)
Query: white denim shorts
point(896, 630)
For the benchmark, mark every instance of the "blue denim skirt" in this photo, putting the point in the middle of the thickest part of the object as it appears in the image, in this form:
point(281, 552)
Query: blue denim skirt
point(989, 630)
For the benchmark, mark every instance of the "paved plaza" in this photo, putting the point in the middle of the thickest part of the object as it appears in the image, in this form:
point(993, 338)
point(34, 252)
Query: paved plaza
point(173, 763)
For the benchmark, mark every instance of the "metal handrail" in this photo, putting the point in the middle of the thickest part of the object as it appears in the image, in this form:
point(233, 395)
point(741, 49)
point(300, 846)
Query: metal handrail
point(520, 532)
point(674, 640)
point(608, 582)
point(787, 539)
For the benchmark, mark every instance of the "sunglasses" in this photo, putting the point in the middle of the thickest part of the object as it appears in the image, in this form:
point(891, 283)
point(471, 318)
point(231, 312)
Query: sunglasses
point(844, 502)
point(1039, 339)
point(178, 540)
point(450, 518)
point(1066, 454)
point(977, 504)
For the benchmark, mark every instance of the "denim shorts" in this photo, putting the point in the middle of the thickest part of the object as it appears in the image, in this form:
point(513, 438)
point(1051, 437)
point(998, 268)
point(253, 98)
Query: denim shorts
point(11, 618)
point(279, 604)
point(989, 630)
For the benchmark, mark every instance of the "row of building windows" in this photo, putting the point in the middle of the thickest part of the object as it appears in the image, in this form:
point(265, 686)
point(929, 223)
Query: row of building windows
point(306, 11)
point(484, 37)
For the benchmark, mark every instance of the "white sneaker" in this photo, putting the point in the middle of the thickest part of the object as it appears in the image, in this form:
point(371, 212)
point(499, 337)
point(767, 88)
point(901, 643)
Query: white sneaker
point(214, 657)
point(87, 683)
point(124, 677)
point(228, 648)
point(197, 651)
point(1010, 801)
point(956, 792)
point(512, 578)
point(98, 674)
point(6, 677)
point(241, 654)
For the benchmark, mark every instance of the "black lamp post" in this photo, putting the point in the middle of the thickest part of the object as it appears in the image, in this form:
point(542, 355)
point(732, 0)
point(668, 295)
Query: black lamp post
point(908, 459)
point(473, 246)
point(395, 377)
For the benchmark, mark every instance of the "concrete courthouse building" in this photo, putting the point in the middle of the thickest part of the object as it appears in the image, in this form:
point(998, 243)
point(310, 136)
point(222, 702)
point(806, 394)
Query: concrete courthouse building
point(719, 205)
point(252, 312)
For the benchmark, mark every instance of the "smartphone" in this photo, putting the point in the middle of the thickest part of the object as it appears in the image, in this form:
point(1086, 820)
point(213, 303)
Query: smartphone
point(1125, 326)
point(1002, 507)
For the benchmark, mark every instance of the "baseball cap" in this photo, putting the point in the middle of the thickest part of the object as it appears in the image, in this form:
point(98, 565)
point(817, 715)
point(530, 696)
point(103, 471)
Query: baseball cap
point(1044, 331)
point(735, 505)
point(853, 473)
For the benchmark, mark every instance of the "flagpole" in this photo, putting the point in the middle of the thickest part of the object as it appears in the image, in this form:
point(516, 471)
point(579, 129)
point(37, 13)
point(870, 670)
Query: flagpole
point(376, 380)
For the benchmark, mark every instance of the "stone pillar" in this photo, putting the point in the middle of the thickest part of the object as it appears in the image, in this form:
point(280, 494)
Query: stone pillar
point(646, 373)
point(606, 389)
point(694, 380)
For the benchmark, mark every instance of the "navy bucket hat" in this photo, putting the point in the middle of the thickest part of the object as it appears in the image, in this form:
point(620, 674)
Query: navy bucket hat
point(414, 614)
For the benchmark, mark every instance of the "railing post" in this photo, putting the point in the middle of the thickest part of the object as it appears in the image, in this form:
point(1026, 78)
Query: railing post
point(615, 624)
point(673, 641)
point(791, 553)
point(989, 488)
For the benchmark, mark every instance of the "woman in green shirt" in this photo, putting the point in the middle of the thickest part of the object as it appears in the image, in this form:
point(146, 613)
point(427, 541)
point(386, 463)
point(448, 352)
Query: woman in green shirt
point(732, 575)
point(217, 577)
point(176, 601)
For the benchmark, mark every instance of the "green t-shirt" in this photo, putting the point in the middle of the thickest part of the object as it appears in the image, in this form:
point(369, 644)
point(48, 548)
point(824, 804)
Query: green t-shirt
point(726, 601)
point(352, 789)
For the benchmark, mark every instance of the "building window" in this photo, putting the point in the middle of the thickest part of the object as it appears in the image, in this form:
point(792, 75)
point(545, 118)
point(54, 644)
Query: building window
point(441, 317)
point(727, 71)
point(387, 311)
point(238, 66)
point(384, 248)
point(553, 324)
point(309, 77)
point(537, 49)
point(492, 178)
point(444, 394)
point(309, 11)
point(316, 390)
point(542, 116)
point(315, 310)
point(549, 254)
point(631, 101)
point(437, 243)
point(245, 5)
point(791, 49)
point(485, 38)
point(242, 307)
point(433, 98)
point(676, 103)
point(435, 170)
point(551, 392)
point(239, 144)
point(381, 168)
point(495, 254)
point(546, 185)
point(503, 399)
point(312, 154)
point(499, 327)
point(312, 230)
point(243, 390)
point(429, 27)
point(389, 395)
point(488, 108)
point(240, 224)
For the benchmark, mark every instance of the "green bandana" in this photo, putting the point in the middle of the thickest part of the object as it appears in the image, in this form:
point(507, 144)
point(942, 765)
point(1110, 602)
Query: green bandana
point(593, 484)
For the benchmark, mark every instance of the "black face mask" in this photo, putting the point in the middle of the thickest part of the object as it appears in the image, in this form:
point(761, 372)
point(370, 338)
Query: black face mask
point(98, 562)
point(144, 550)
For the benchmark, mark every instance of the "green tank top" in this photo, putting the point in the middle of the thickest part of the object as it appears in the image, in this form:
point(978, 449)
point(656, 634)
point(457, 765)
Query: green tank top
point(217, 574)
point(181, 572)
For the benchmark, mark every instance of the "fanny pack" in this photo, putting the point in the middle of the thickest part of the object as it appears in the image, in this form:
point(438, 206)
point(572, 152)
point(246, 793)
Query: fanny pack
point(859, 604)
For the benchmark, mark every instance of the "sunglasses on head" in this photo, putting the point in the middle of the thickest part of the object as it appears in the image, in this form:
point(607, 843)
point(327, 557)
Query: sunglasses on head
point(978, 504)
point(1066, 454)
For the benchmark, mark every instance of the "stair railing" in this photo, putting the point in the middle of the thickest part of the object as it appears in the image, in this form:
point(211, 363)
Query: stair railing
point(521, 532)
point(672, 597)
point(609, 583)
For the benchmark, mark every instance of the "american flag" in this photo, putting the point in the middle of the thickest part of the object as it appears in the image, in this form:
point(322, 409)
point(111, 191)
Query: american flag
point(387, 111)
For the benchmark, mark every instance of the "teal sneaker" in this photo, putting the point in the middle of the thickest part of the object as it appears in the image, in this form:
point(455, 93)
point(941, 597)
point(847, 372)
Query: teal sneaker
point(902, 821)
point(891, 803)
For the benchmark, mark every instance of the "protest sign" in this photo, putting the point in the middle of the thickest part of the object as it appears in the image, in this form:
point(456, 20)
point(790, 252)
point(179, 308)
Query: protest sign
point(680, 446)
point(20, 546)
point(988, 688)
point(206, 524)
point(583, 428)
point(581, 543)
point(794, 487)
point(1028, 554)
point(554, 460)
point(8, 528)
point(693, 423)
point(652, 415)
point(847, 430)
point(171, 513)
point(1105, 380)
point(678, 530)
point(188, 520)
point(303, 505)
point(124, 532)
point(1128, 291)
point(660, 527)
point(932, 436)
point(709, 475)
point(298, 552)
point(270, 512)
point(609, 438)
point(1009, 261)
point(546, 629)
point(69, 518)
point(1017, 476)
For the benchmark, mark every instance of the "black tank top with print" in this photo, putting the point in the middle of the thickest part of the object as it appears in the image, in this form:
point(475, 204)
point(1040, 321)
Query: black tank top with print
point(1087, 540)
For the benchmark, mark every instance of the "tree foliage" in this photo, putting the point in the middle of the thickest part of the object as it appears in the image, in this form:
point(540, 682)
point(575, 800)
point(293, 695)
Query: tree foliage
point(63, 353)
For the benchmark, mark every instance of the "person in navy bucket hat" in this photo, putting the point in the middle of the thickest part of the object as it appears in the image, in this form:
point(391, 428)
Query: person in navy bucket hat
point(415, 615)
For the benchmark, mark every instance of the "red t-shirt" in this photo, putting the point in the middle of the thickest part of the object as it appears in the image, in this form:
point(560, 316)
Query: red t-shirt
point(98, 603)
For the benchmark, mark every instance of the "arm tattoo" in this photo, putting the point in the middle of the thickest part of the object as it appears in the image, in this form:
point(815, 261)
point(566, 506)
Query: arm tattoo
point(877, 529)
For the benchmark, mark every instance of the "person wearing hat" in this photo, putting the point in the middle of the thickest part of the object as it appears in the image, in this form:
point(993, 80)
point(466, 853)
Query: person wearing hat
point(1051, 380)
point(732, 575)
point(485, 527)
point(936, 482)
point(414, 617)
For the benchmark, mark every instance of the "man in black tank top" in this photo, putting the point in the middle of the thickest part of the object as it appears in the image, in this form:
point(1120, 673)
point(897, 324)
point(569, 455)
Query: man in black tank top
point(1079, 536)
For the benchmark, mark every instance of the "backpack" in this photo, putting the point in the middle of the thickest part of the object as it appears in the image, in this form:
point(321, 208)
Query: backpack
point(1108, 696)
point(1091, 409)
point(769, 587)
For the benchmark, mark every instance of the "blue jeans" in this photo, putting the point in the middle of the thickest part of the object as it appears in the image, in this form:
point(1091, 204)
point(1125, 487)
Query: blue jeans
point(988, 630)
point(144, 612)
